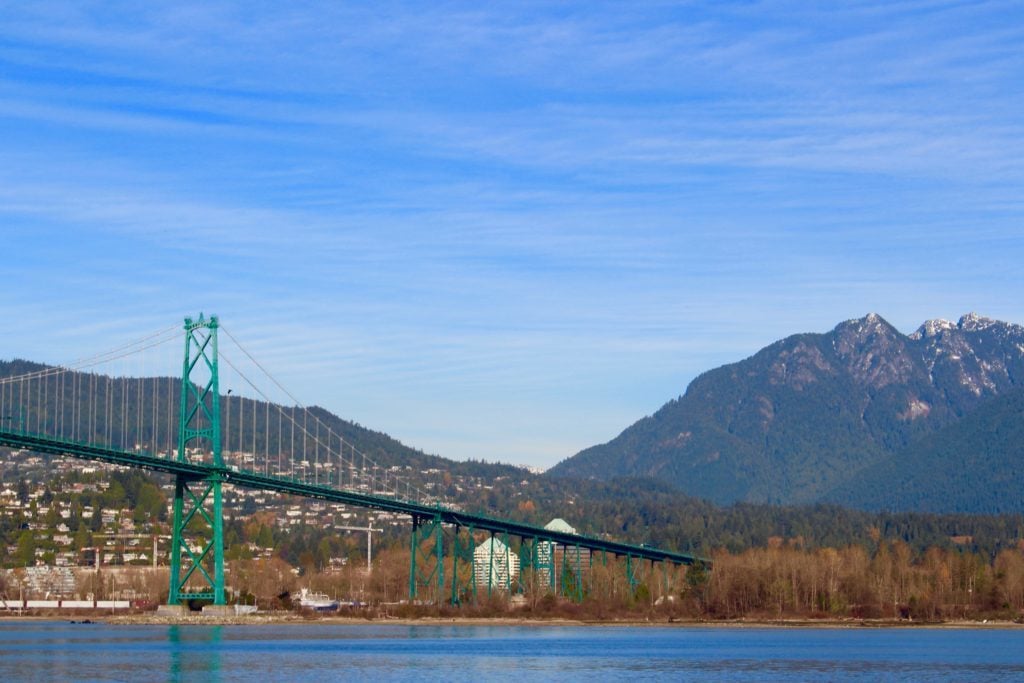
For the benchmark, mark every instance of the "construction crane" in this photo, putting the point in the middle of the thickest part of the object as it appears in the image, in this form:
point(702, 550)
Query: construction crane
point(369, 542)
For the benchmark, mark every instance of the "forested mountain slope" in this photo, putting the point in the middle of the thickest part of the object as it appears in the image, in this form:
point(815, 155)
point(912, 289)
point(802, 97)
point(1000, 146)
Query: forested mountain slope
point(806, 418)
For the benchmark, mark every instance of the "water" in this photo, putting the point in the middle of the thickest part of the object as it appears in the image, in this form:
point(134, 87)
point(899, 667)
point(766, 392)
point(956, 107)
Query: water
point(32, 650)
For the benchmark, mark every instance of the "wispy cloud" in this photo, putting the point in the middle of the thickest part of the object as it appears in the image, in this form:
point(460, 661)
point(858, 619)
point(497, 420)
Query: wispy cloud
point(457, 222)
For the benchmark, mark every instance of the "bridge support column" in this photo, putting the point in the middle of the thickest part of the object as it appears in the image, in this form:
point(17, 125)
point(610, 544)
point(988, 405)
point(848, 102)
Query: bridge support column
point(527, 563)
point(472, 561)
point(631, 576)
point(421, 569)
point(562, 588)
point(173, 597)
point(198, 526)
point(579, 575)
point(508, 566)
point(551, 565)
point(455, 567)
point(463, 552)
point(490, 566)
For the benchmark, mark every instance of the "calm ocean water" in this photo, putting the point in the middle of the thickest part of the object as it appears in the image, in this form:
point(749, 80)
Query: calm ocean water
point(60, 650)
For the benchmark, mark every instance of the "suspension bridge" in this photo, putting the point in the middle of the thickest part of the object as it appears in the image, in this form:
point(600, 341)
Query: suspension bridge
point(105, 408)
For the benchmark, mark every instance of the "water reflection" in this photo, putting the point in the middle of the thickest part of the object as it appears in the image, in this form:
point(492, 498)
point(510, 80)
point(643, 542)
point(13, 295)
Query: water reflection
point(195, 652)
point(109, 652)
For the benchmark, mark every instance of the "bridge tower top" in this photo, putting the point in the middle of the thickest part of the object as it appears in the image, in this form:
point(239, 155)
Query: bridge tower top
point(200, 389)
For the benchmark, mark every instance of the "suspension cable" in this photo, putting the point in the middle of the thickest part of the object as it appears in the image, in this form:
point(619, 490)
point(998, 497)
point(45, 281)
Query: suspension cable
point(306, 413)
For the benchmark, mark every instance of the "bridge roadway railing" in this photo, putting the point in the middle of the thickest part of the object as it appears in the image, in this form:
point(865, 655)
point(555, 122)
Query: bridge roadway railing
point(48, 445)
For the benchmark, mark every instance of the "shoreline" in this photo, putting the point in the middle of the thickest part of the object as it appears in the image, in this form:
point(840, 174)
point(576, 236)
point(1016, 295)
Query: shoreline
point(266, 619)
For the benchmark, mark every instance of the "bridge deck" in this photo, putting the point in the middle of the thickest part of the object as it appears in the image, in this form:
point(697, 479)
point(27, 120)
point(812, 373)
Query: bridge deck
point(42, 444)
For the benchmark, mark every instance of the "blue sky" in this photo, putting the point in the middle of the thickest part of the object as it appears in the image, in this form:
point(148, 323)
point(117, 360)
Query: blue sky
point(505, 231)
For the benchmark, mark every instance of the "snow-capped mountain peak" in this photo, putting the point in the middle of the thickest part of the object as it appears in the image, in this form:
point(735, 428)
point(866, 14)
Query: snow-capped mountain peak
point(972, 322)
point(933, 328)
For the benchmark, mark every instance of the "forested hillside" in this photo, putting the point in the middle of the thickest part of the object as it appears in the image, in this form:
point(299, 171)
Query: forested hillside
point(973, 465)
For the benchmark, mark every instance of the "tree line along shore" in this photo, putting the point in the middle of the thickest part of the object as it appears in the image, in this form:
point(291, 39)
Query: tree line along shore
point(783, 581)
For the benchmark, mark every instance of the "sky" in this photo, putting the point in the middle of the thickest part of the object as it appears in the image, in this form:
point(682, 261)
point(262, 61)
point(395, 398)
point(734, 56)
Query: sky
point(504, 231)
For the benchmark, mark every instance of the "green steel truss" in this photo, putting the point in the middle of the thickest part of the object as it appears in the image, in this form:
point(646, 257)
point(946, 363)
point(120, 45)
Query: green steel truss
point(462, 554)
point(198, 527)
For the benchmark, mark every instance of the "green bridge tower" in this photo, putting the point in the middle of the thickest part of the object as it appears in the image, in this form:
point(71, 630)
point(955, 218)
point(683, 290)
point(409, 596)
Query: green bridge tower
point(198, 531)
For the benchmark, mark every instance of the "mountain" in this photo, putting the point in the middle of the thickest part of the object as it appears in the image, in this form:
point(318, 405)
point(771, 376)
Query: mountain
point(973, 465)
point(810, 417)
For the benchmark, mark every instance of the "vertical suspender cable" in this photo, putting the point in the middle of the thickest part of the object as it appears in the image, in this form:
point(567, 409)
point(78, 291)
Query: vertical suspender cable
point(124, 410)
point(138, 405)
point(157, 414)
point(305, 457)
point(241, 423)
point(107, 407)
point(75, 408)
point(43, 395)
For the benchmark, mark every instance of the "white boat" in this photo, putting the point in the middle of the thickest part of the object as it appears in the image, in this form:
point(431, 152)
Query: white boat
point(317, 602)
